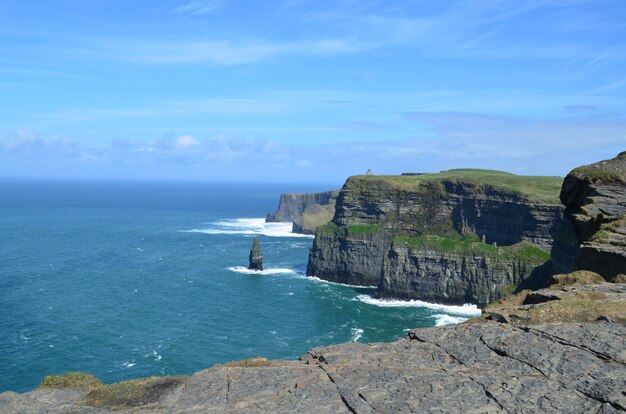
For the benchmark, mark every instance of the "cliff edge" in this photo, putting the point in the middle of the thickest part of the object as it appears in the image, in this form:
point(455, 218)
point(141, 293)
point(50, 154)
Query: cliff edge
point(595, 199)
point(460, 236)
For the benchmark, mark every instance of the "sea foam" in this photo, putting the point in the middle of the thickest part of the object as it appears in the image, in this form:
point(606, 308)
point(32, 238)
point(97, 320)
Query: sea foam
point(274, 271)
point(250, 226)
point(443, 320)
point(467, 309)
point(317, 279)
point(357, 333)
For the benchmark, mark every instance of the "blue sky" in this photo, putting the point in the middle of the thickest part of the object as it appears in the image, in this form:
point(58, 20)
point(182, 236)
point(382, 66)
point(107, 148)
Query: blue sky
point(308, 91)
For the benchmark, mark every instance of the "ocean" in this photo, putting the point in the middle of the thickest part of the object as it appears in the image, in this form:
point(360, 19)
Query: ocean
point(124, 280)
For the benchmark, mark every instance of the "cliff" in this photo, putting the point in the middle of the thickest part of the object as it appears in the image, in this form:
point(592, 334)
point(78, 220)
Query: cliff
point(561, 351)
point(307, 211)
point(455, 237)
point(595, 200)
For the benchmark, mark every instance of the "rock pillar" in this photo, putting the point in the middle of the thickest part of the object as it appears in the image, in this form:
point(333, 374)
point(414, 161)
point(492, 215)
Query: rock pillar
point(256, 257)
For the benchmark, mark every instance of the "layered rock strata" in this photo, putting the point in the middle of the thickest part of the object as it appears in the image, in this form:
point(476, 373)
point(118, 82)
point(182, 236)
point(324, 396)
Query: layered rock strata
point(292, 205)
point(484, 366)
point(306, 211)
point(595, 200)
point(488, 239)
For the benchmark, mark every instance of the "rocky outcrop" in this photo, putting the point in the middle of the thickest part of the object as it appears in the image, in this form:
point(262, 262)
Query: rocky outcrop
point(595, 200)
point(292, 205)
point(482, 366)
point(378, 236)
point(256, 257)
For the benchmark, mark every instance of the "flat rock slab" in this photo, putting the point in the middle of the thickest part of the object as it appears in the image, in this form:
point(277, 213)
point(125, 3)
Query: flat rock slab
point(470, 368)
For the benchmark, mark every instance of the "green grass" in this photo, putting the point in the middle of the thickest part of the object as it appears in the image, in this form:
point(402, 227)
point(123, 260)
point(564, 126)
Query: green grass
point(70, 380)
point(604, 171)
point(540, 188)
point(364, 228)
point(471, 243)
point(331, 229)
point(328, 229)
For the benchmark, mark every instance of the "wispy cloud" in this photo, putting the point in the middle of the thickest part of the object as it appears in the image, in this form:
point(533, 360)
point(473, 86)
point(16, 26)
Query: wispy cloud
point(450, 31)
point(199, 7)
point(219, 52)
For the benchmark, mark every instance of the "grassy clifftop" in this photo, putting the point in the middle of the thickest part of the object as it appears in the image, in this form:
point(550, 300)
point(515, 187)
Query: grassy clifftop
point(540, 188)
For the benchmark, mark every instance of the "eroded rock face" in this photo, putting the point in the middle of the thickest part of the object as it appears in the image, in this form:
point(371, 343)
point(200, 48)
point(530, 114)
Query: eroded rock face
point(359, 247)
point(595, 200)
point(292, 205)
point(455, 278)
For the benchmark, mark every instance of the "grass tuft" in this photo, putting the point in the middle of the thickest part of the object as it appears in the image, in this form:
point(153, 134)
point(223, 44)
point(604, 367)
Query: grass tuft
point(72, 380)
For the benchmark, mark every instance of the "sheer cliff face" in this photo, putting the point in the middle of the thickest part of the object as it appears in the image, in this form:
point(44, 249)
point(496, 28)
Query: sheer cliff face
point(438, 207)
point(379, 236)
point(595, 200)
point(434, 275)
point(291, 205)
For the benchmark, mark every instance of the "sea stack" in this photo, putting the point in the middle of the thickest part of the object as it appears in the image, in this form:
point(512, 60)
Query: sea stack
point(256, 257)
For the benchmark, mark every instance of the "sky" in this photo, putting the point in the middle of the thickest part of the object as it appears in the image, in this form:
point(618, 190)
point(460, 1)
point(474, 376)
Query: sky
point(308, 91)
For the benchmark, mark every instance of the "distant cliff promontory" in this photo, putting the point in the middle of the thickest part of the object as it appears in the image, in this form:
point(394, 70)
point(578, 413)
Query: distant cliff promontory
point(460, 236)
point(307, 211)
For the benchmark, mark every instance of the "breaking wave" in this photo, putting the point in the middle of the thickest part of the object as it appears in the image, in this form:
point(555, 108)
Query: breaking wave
point(317, 279)
point(250, 226)
point(443, 320)
point(275, 271)
point(467, 309)
point(357, 333)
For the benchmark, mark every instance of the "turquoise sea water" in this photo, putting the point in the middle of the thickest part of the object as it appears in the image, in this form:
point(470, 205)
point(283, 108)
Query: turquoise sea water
point(139, 279)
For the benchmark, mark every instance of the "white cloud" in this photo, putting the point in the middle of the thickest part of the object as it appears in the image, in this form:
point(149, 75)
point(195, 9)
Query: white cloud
point(186, 141)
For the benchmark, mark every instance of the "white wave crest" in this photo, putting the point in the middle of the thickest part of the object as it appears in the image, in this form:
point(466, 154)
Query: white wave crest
point(245, 270)
point(467, 309)
point(357, 333)
point(443, 320)
point(250, 226)
point(317, 279)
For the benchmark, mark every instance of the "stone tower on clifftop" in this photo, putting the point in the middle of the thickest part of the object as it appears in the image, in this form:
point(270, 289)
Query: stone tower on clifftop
point(256, 257)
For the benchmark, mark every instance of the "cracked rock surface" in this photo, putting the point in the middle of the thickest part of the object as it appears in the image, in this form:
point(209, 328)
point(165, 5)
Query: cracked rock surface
point(484, 367)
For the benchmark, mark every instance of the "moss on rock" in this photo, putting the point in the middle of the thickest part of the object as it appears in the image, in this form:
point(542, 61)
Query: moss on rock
point(471, 244)
point(580, 277)
point(72, 380)
point(250, 362)
point(133, 393)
